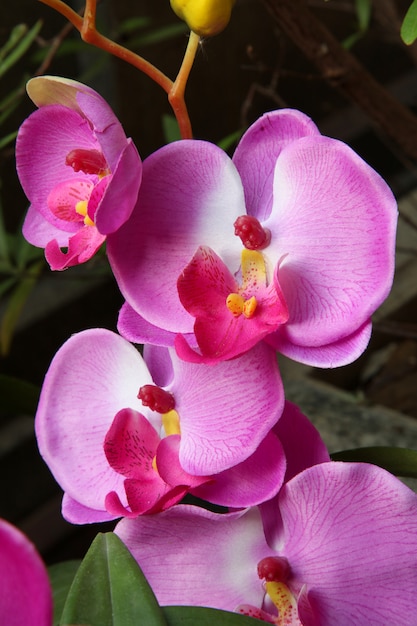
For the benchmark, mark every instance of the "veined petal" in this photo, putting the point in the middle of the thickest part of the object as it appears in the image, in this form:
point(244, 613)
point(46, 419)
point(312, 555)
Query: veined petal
point(198, 202)
point(333, 277)
point(262, 144)
point(335, 354)
point(26, 596)
point(44, 140)
point(93, 375)
point(350, 536)
point(251, 482)
point(175, 551)
point(226, 409)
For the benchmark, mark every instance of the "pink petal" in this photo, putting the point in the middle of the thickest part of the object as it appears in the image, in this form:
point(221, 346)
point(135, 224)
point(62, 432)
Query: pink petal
point(175, 551)
point(93, 375)
point(121, 195)
point(38, 231)
point(225, 409)
point(135, 328)
point(76, 513)
point(334, 219)
point(169, 468)
point(81, 247)
point(190, 195)
point(25, 596)
point(130, 444)
point(350, 535)
point(44, 140)
point(262, 144)
point(251, 482)
point(335, 354)
point(64, 197)
point(158, 361)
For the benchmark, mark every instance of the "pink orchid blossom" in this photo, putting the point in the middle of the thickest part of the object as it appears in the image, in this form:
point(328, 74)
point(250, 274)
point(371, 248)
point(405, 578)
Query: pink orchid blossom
point(291, 242)
point(341, 549)
point(77, 168)
point(194, 428)
point(25, 592)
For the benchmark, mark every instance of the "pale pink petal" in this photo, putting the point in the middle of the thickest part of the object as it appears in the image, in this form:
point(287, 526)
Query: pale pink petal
point(93, 375)
point(261, 145)
point(191, 556)
point(333, 225)
point(169, 468)
point(226, 409)
point(38, 231)
point(25, 592)
point(198, 202)
point(335, 354)
point(158, 361)
point(251, 482)
point(76, 513)
point(350, 536)
point(135, 328)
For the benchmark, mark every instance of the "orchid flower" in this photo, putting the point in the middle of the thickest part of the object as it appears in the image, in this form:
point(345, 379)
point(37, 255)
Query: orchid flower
point(77, 168)
point(25, 592)
point(341, 548)
point(291, 242)
point(124, 435)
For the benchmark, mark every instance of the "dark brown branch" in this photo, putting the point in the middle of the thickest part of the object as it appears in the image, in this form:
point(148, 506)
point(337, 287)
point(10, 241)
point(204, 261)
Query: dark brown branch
point(344, 72)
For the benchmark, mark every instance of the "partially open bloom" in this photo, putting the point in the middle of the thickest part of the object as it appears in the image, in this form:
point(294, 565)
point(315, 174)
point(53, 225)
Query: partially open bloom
point(291, 242)
point(204, 17)
point(25, 592)
point(126, 436)
point(78, 169)
point(339, 546)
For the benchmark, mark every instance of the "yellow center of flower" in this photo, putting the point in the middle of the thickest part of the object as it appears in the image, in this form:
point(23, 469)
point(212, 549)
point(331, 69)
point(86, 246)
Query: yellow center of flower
point(253, 276)
point(285, 602)
point(171, 423)
point(81, 209)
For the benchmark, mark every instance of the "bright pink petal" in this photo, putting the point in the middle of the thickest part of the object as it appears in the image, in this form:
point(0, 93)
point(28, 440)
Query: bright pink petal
point(121, 195)
point(64, 197)
point(190, 195)
point(191, 556)
point(350, 536)
point(335, 354)
point(251, 482)
point(333, 225)
point(25, 592)
point(130, 444)
point(204, 287)
point(262, 144)
point(81, 247)
point(93, 375)
point(226, 409)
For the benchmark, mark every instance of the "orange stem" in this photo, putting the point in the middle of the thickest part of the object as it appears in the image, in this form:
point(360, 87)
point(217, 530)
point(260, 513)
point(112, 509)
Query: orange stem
point(176, 96)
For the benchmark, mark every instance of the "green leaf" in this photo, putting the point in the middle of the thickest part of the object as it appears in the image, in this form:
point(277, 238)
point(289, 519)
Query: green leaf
point(4, 141)
point(398, 461)
point(15, 305)
point(132, 24)
point(18, 396)
point(158, 35)
point(230, 140)
point(109, 589)
point(170, 128)
point(363, 12)
point(409, 25)
point(15, 36)
point(61, 576)
point(19, 50)
point(195, 615)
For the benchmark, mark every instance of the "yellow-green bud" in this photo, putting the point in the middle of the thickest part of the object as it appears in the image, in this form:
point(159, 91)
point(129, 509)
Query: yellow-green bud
point(204, 17)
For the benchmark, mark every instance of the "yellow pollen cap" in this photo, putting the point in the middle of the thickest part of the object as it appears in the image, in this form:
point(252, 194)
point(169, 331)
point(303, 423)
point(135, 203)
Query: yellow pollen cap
point(204, 17)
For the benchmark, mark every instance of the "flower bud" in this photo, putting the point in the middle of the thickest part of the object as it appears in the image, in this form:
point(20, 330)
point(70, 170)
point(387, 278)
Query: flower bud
point(204, 17)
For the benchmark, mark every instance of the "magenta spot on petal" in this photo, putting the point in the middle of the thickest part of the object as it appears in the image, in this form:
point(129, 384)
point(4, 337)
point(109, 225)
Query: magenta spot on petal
point(253, 235)
point(274, 569)
point(156, 399)
point(87, 161)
